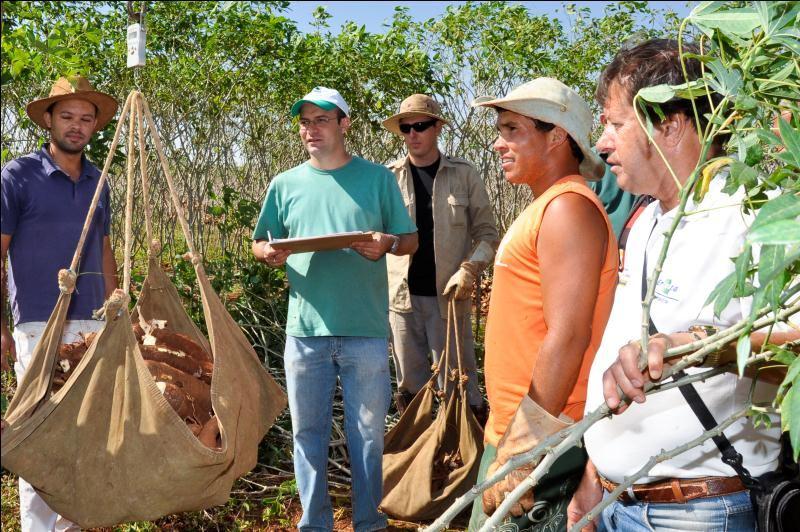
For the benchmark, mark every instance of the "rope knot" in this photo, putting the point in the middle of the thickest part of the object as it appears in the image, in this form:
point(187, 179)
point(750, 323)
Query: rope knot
point(66, 281)
point(155, 247)
point(195, 258)
point(114, 303)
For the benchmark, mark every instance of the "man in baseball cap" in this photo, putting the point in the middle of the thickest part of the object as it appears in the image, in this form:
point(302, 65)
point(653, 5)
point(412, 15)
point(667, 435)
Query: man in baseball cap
point(447, 199)
point(45, 199)
point(336, 327)
point(324, 98)
point(554, 278)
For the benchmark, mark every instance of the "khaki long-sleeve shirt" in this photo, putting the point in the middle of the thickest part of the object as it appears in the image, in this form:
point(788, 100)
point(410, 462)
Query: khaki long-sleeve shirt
point(462, 217)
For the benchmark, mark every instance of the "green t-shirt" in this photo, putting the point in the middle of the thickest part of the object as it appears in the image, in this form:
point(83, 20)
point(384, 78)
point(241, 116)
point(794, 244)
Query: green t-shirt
point(335, 293)
point(617, 202)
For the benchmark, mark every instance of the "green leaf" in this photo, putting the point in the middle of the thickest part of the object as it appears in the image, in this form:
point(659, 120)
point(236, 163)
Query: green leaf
point(791, 138)
point(791, 405)
point(737, 22)
point(742, 264)
point(741, 175)
point(691, 90)
point(782, 356)
point(722, 294)
point(743, 351)
point(656, 94)
point(726, 81)
point(780, 232)
point(791, 43)
point(745, 102)
point(787, 19)
point(792, 376)
point(770, 263)
point(784, 207)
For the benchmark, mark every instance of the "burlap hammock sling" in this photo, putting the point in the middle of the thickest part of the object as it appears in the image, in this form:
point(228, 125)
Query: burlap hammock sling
point(427, 462)
point(107, 448)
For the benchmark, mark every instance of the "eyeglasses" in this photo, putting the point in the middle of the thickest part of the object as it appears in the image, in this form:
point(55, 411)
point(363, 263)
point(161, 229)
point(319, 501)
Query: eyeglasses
point(419, 127)
point(320, 121)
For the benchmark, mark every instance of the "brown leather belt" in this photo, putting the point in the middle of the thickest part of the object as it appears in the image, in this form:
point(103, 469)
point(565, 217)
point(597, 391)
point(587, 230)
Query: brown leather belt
point(677, 490)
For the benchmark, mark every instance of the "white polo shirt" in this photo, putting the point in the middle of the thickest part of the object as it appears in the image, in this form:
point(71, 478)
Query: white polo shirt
point(699, 257)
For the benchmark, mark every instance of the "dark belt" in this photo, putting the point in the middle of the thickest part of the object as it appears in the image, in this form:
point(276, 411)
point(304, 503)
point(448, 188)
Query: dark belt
point(677, 490)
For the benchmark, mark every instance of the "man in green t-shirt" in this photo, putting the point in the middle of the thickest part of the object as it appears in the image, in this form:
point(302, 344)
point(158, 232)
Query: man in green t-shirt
point(337, 323)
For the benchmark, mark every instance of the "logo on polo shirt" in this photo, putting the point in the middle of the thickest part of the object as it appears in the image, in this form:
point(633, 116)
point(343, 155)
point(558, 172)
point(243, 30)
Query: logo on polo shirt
point(666, 290)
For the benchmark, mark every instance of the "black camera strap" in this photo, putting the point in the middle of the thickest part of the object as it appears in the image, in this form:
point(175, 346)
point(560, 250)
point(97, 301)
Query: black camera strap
point(730, 455)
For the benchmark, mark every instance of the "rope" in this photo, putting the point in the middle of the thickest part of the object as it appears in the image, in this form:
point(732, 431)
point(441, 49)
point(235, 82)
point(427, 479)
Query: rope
point(457, 333)
point(148, 212)
point(76, 259)
point(66, 281)
point(126, 276)
point(446, 356)
point(196, 258)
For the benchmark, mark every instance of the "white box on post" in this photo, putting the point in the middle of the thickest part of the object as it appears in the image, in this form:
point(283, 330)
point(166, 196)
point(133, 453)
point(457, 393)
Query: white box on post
point(136, 38)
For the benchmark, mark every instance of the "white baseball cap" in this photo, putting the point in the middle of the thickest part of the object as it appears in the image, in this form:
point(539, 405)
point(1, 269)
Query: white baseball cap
point(322, 97)
point(551, 101)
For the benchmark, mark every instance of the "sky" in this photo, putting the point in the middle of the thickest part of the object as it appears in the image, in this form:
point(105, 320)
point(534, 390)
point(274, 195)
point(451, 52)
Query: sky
point(374, 14)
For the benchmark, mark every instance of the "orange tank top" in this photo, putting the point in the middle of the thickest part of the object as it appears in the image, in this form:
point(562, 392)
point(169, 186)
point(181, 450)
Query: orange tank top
point(515, 327)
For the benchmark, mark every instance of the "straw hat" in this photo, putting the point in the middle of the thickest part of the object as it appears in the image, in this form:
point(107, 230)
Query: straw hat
point(551, 101)
point(416, 104)
point(74, 87)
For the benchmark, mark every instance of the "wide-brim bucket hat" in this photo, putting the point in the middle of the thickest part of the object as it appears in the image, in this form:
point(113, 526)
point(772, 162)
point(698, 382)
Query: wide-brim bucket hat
point(416, 104)
point(551, 101)
point(74, 87)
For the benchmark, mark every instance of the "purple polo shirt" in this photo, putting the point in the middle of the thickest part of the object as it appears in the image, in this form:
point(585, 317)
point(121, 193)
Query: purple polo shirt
point(44, 211)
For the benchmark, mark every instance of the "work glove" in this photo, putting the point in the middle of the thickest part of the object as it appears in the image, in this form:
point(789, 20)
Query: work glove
point(461, 283)
point(530, 425)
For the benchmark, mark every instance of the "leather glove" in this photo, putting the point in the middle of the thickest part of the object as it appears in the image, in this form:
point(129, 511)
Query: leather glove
point(464, 279)
point(460, 284)
point(530, 425)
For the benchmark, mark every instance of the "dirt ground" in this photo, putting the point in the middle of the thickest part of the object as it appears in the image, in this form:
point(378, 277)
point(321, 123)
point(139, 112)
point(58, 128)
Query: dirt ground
point(237, 514)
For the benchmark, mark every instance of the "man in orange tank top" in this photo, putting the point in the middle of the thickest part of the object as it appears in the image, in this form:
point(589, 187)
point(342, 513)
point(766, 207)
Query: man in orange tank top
point(554, 278)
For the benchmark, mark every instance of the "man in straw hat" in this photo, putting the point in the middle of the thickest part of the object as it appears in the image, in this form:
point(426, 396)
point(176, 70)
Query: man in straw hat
point(554, 278)
point(338, 303)
point(45, 199)
point(447, 199)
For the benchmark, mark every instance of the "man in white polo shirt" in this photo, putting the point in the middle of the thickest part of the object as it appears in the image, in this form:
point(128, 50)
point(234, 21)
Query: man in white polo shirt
point(694, 490)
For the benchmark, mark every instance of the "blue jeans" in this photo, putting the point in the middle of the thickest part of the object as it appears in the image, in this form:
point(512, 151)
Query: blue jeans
point(312, 366)
point(725, 513)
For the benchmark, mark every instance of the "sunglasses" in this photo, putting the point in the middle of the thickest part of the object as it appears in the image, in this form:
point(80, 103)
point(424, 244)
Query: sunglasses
point(419, 127)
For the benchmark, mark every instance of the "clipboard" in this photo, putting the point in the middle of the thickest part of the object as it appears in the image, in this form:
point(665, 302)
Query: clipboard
point(320, 243)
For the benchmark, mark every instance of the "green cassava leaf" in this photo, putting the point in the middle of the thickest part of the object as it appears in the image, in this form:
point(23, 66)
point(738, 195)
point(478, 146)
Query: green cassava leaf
point(742, 264)
point(771, 264)
point(790, 414)
point(783, 207)
point(791, 139)
point(722, 294)
point(743, 351)
point(656, 94)
point(780, 232)
point(726, 81)
point(734, 22)
point(792, 376)
point(782, 356)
